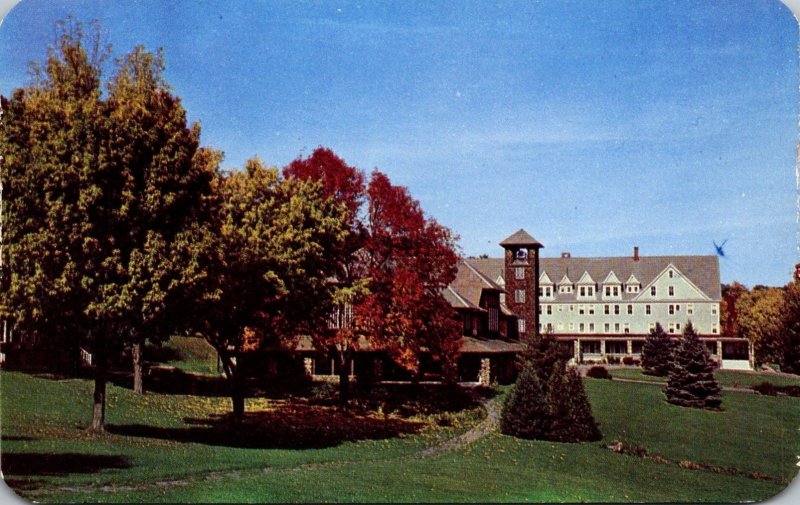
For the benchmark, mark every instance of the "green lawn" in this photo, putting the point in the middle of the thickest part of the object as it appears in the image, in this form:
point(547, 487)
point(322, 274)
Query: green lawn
point(156, 438)
point(191, 354)
point(728, 378)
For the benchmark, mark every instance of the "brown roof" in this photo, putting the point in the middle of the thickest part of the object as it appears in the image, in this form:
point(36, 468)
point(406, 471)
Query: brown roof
point(702, 271)
point(472, 345)
point(521, 238)
point(457, 300)
point(470, 283)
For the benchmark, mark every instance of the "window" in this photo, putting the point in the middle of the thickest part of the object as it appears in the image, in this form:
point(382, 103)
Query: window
point(670, 273)
point(519, 272)
point(630, 310)
point(626, 328)
point(671, 328)
point(581, 309)
point(581, 328)
point(493, 318)
point(632, 288)
point(652, 291)
point(591, 327)
point(647, 309)
point(671, 309)
point(690, 309)
point(540, 310)
point(521, 325)
point(565, 288)
point(652, 326)
point(616, 310)
point(616, 327)
point(589, 290)
point(607, 309)
point(677, 307)
point(561, 308)
point(583, 291)
point(671, 290)
point(468, 324)
point(571, 326)
point(677, 326)
point(546, 291)
point(550, 327)
point(591, 310)
point(549, 310)
point(519, 296)
point(560, 326)
point(572, 308)
point(713, 309)
point(611, 291)
point(713, 329)
point(607, 327)
point(341, 316)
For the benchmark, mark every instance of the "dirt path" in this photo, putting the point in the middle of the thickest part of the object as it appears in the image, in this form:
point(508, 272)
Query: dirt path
point(724, 388)
point(488, 425)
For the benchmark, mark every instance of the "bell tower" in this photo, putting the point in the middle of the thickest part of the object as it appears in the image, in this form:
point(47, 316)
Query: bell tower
point(522, 280)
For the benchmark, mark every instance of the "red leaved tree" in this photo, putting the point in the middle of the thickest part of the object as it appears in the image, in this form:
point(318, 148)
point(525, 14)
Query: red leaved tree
point(392, 271)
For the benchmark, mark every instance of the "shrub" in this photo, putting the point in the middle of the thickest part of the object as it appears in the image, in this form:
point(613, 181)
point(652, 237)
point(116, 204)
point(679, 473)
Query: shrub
point(767, 388)
point(598, 372)
point(630, 360)
point(568, 407)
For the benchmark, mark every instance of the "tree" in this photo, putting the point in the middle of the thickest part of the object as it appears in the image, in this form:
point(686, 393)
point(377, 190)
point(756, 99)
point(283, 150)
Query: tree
point(391, 271)
point(569, 408)
point(103, 194)
point(548, 401)
point(789, 337)
point(691, 378)
point(759, 318)
point(161, 187)
point(729, 314)
point(269, 266)
point(657, 352)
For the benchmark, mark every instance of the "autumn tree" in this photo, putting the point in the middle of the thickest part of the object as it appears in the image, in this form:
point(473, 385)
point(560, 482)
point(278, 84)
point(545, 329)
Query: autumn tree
point(161, 186)
point(789, 335)
point(657, 352)
point(269, 266)
point(391, 271)
point(760, 321)
point(101, 194)
point(691, 377)
point(729, 313)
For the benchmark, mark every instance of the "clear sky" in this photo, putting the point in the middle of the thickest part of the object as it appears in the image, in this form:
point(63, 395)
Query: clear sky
point(596, 126)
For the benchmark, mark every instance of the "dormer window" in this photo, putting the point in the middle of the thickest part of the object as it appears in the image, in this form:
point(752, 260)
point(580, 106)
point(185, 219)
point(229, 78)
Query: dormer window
point(565, 288)
point(545, 291)
point(611, 291)
point(632, 288)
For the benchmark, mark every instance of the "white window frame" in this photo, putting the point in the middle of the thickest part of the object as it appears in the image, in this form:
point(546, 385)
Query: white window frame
point(519, 296)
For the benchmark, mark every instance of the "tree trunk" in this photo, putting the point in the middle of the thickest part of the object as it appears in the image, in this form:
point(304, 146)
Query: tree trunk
point(235, 384)
point(344, 380)
point(100, 379)
point(138, 383)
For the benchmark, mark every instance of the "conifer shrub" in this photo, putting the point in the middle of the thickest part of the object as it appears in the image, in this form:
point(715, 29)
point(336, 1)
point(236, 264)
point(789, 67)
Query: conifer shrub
point(657, 352)
point(548, 402)
point(691, 378)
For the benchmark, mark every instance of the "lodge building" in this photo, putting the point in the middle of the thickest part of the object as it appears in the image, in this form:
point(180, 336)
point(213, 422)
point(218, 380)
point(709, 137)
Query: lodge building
point(602, 308)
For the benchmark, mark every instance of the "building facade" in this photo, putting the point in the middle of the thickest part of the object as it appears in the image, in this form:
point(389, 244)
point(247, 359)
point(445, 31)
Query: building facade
point(604, 307)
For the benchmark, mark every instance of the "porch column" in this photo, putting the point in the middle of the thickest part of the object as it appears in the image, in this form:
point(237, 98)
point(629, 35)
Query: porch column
point(602, 349)
point(719, 351)
point(308, 366)
point(485, 373)
point(630, 347)
point(577, 350)
point(353, 367)
point(751, 355)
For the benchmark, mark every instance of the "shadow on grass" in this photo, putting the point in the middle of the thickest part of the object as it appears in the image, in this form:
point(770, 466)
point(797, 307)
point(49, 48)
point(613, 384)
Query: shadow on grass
point(174, 381)
point(16, 438)
point(292, 426)
point(58, 464)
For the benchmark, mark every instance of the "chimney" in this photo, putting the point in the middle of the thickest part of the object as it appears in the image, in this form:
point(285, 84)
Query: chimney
point(565, 255)
point(636, 253)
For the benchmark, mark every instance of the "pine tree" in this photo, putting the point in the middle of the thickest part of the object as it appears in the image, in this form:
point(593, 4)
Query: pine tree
point(691, 379)
point(525, 413)
point(548, 402)
point(657, 352)
point(569, 409)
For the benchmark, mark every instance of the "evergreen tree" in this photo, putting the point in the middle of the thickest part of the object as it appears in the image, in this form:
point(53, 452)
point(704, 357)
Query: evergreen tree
point(569, 409)
point(657, 352)
point(548, 401)
point(525, 413)
point(691, 379)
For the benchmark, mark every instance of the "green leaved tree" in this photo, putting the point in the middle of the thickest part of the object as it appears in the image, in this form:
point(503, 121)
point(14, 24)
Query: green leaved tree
point(269, 266)
point(691, 377)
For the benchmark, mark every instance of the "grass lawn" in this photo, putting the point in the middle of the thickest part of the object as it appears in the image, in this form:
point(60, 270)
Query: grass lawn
point(190, 354)
point(728, 378)
point(157, 438)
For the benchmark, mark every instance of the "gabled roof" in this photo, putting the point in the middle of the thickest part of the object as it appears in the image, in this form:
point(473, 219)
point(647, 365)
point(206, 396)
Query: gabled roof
point(632, 280)
point(456, 300)
point(585, 279)
point(564, 280)
point(521, 238)
point(545, 279)
point(702, 271)
point(611, 278)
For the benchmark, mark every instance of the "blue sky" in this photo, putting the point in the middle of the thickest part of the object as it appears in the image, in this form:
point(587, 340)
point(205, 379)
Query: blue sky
point(596, 126)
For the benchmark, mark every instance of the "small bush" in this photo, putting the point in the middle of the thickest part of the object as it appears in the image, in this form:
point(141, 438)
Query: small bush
point(598, 372)
point(613, 360)
point(630, 360)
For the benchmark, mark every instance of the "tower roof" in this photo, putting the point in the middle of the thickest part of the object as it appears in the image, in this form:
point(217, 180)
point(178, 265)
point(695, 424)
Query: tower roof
point(521, 238)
